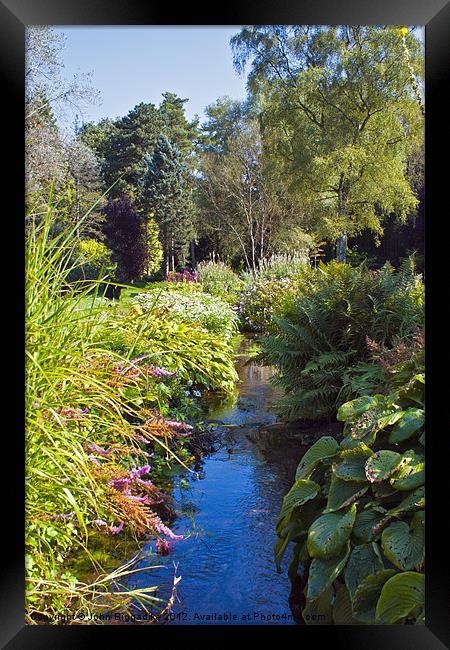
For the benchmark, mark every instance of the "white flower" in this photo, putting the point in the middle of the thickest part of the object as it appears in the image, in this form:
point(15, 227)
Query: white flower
point(197, 393)
point(187, 393)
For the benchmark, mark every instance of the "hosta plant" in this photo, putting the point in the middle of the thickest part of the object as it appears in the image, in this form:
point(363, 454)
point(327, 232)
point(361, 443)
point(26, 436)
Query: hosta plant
point(356, 513)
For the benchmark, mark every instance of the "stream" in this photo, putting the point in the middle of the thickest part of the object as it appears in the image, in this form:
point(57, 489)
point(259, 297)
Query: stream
point(228, 513)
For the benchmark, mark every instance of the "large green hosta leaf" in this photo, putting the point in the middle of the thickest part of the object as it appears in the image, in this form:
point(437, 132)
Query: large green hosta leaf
point(414, 501)
point(404, 545)
point(364, 561)
point(329, 533)
point(367, 594)
point(293, 530)
point(301, 492)
point(322, 573)
point(411, 422)
point(365, 521)
point(324, 448)
point(401, 596)
point(412, 475)
point(342, 493)
point(355, 408)
point(353, 461)
point(319, 611)
point(382, 465)
point(342, 608)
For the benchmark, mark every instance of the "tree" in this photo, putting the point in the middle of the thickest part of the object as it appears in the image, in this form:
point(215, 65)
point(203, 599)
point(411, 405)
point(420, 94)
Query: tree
point(44, 80)
point(125, 236)
point(175, 125)
point(242, 202)
point(340, 105)
point(166, 192)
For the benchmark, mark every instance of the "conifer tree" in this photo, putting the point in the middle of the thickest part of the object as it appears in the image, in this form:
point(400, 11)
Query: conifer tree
point(167, 194)
point(125, 236)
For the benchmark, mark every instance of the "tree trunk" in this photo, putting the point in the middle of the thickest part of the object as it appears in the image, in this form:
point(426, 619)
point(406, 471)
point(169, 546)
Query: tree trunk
point(342, 248)
point(343, 211)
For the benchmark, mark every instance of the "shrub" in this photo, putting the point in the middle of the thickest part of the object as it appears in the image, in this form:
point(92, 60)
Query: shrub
point(210, 312)
point(356, 511)
point(263, 299)
point(284, 265)
point(320, 337)
point(220, 280)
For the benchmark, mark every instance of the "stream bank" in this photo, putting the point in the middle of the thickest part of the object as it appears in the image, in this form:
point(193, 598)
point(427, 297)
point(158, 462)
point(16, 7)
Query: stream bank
point(227, 513)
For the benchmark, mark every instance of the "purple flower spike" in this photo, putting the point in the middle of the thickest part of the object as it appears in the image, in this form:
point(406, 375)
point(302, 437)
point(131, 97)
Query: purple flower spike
point(115, 530)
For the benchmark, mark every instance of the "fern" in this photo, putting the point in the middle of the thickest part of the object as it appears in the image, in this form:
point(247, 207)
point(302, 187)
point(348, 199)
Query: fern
point(319, 341)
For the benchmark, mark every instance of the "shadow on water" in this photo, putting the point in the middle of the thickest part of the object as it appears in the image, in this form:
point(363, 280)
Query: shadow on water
point(228, 513)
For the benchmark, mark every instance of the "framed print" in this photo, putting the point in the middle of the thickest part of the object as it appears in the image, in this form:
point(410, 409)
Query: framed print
point(220, 416)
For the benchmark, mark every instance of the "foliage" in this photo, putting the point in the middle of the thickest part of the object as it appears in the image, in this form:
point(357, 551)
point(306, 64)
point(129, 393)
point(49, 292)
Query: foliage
point(340, 116)
point(209, 312)
point(153, 245)
point(220, 280)
point(92, 261)
point(320, 338)
point(287, 265)
point(125, 236)
point(262, 300)
point(356, 512)
point(166, 192)
point(93, 411)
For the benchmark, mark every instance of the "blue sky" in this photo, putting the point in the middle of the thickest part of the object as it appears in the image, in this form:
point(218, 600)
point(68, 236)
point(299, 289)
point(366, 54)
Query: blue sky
point(137, 64)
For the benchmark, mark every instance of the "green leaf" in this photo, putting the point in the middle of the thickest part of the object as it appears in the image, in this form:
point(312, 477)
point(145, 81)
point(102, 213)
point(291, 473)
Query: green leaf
point(324, 448)
point(364, 561)
point(367, 594)
point(403, 545)
point(400, 596)
point(322, 573)
point(342, 608)
point(352, 466)
point(390, 419)
point(354, 408)
point(319, 610)
point(412, 421)
point(301, 492)
point(329, 533)
point(382, 465)
point(292, 530)
point(414, 500)
point(412, 475)
point(364, 523)
point(298, 552)
point(342, 493)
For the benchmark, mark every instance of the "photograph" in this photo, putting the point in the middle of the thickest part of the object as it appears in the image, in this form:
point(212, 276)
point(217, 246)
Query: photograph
point(225, 324)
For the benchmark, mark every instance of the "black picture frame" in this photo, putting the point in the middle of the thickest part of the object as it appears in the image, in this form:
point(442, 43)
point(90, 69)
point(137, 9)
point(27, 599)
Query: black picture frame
point(15, 15)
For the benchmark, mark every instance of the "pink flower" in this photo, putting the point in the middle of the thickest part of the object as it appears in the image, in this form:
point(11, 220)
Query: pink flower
point(115, 530)
point(163, 546)
point(161, 528)
point(98, 450)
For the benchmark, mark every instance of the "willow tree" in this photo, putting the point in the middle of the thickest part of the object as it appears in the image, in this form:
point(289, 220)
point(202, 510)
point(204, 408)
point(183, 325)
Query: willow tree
point(339, 108)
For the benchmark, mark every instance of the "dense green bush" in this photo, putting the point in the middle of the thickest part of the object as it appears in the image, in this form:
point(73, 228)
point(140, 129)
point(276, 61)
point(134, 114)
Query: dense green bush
point(220, 280)
point(356, 511)
point(262, 300)
point(192, 306)
point(284, 265)
point(319, 341)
